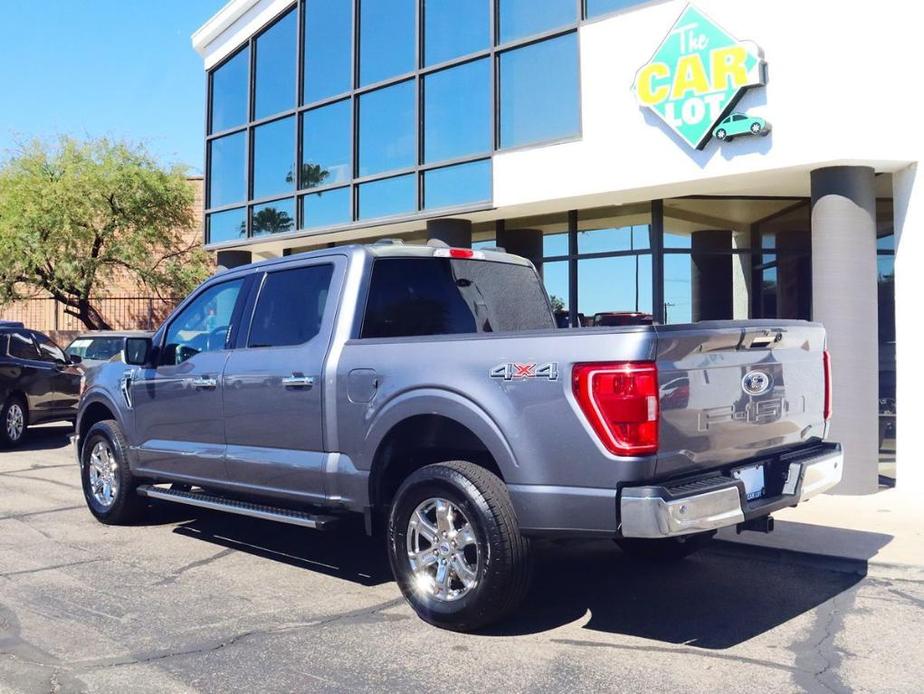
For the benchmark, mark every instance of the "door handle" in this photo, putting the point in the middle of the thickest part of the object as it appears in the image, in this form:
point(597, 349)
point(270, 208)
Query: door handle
point(204, 382)
point(298, 381)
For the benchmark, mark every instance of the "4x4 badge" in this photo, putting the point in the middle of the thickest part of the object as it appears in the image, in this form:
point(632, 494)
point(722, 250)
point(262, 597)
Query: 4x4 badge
point(515, 371)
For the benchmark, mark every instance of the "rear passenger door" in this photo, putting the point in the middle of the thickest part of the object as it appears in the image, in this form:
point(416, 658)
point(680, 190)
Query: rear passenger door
point(273, 382)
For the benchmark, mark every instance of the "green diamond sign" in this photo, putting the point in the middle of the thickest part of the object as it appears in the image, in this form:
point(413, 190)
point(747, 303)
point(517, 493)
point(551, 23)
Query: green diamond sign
point(696, 77)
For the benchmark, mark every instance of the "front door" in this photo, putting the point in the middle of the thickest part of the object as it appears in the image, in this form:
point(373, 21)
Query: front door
point(179, 425)
point(273, 386)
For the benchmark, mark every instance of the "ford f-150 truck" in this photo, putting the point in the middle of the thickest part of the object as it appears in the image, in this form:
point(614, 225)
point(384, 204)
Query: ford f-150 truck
point(428, 388)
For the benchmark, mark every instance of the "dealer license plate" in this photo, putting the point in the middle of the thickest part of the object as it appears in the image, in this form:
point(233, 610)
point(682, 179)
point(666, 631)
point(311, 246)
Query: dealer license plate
point(753, 478)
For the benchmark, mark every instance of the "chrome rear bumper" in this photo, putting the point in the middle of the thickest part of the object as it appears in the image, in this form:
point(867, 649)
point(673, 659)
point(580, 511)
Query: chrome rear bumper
point(718, 502)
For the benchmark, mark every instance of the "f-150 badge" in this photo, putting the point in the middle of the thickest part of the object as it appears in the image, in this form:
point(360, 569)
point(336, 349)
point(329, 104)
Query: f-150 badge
point(515, 371)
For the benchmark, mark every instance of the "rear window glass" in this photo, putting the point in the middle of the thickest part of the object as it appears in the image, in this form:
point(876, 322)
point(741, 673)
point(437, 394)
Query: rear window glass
point(22, 346)
point(291, 306)
point(103, 348)
point(443, 296)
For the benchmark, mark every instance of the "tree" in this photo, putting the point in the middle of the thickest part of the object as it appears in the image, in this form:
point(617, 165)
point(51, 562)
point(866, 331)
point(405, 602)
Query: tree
point(76, 215)
point(558, 304)
point(271, 220)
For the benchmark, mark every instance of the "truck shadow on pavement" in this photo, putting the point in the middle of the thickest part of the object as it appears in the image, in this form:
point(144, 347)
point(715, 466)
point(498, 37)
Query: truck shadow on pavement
point(713, 600)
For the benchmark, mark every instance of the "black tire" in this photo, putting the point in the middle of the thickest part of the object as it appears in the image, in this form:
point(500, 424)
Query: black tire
point(8, 439)
point(126, 506)
point(756, 129)
point(668, 549)
point(720, 133)
point(502, 575)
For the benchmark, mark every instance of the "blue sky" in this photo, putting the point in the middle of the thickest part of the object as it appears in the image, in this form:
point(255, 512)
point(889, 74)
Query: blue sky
point(120, 68)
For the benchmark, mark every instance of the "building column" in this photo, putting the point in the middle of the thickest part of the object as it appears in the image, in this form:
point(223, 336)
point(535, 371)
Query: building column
point(845, 300)
point(523, 242)
point(909, 288)
point(230, 259)
point(711, 278)
point(454, 232)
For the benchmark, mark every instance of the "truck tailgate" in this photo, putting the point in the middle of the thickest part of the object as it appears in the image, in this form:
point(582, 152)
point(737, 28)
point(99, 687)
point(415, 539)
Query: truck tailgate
point(734, 390)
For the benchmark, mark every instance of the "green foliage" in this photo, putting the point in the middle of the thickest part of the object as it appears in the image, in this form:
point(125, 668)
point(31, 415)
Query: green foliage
point(75, 215)
point(558, 304)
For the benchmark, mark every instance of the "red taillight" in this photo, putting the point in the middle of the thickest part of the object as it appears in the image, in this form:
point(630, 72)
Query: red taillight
point(461, 253)
point(829, 393)
point(620, 400)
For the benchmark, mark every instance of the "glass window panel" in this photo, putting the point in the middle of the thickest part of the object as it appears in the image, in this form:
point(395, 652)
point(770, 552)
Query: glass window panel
point(628, 238)
point(455, 28)
point(227, 170)
point(678, 301)
point(327, 208)
point(229, 93)
point(555, 278)
point(276, 217)
point(275, 68)
point(458, 185)
point(457, 112)
point(291, 306)
point(539, 92)
point(388, 197)
point(387, 39)
point(274, 158)
point(555, 244)
point(594, 8)
point(327, 145)
point(614, 286)
point(519, 18)
point(387, 137)
point(328, 49)
point(229, 225)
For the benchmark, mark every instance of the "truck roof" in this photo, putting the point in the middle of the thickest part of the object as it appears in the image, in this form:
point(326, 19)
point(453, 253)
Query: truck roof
point(383, 249)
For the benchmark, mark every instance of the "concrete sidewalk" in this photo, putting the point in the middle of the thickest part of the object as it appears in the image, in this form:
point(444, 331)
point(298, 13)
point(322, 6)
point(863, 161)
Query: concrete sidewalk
point(880, 534)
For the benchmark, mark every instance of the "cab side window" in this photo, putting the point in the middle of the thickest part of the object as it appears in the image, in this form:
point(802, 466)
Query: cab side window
point(290, 308)
point(48, 350)
point(22, 346)
point(203, 325)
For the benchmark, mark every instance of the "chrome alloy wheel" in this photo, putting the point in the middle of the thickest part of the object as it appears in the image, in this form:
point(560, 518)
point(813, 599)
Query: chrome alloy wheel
point(104, 482)
point(15, 422)
point(442, 551)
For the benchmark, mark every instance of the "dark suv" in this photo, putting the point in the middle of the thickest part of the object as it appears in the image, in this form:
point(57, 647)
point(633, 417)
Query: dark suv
point(38, 382)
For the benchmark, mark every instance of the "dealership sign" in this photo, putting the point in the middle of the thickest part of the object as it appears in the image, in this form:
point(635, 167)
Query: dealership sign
point(696, 77)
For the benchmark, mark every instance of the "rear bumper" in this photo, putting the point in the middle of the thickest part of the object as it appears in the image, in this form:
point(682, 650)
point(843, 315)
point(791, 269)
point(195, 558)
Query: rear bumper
point(716, 502)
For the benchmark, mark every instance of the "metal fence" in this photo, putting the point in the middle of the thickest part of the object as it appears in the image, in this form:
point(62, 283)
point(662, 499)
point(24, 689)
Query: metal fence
point(121, 312)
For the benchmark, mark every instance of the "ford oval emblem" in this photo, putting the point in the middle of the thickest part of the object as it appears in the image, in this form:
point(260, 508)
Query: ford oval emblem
point(755, 383)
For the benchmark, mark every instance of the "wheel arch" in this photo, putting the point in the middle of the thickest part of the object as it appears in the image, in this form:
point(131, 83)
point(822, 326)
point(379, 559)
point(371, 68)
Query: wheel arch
point(95, 410)
point(430, 426)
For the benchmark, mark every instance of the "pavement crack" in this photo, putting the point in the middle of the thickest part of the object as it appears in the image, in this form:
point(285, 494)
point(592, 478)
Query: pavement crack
point(17, 516)
point(8, 574)
point(817, 657)
point(172, 578)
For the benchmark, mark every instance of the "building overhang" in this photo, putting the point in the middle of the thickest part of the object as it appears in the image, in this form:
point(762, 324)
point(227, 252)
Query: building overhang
point(232, 25)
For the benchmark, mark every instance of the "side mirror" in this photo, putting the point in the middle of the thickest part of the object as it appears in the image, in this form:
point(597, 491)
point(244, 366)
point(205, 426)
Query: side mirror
point(74, 359)
point(137, 351)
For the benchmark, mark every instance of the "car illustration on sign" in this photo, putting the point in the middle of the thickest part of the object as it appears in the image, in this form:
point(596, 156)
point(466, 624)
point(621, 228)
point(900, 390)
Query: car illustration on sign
point(740, 124)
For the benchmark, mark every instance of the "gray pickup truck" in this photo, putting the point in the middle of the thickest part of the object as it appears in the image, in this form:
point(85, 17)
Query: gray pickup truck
point(428, 388)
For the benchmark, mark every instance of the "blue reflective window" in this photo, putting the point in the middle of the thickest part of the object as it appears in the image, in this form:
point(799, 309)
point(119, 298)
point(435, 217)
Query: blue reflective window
point(227, 169)
point(457, 112)
point(454, 28)
point(594, 8)
point(328, 48)
point(539, 92)
point(229, 225)
point(327, 208)
point(390, 196)
point(275, 217)
point(327, 145)
point(274, 158)
point(229, 93)
point(519, 18)
point(275, 56)
point(387, 136)
point(458, 185)
point(387, 39)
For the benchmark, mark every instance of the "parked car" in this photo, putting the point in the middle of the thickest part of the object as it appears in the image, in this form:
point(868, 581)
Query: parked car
point(101, 346)
point(429, 389)
point(38, 382)
point(740, 124)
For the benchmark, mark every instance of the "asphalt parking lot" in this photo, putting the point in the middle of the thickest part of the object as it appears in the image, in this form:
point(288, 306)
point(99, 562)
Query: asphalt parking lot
point(200, 601)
